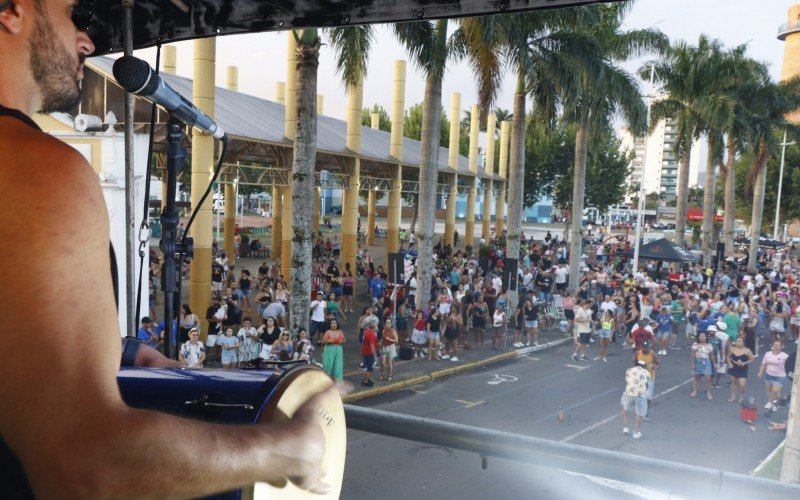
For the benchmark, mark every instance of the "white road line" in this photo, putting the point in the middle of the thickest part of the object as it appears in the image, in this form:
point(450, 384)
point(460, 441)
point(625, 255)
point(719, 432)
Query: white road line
point(769, 457)
point(612, 417)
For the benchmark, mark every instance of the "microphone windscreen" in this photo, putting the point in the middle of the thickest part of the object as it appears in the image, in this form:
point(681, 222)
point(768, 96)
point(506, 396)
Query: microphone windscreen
point(132, 74)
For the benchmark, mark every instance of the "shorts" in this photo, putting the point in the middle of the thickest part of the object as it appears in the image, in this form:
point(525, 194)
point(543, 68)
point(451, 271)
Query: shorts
point(583, 338)
point(228, 357)
point(390, 351)
point(211, 340)
point(531, 324)
point(266, 351)
point(636, 403)
point(605, 334)
point(773, 380)
point(651, 386)
point(702, 366)
point(369, 362)
point(661, 335)
point(433, 336)
point(216, 286)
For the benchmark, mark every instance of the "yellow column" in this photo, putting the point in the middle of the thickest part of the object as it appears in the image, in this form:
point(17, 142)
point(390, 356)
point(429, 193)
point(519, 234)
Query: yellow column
point(500, 207)
point(289, 131)
point(277, 191)
point(472, 197)
point(320, 104)
point(355, 98)
point(452, 162)
point(375, 124)
point(394, 210)
point(229, 221)
point(202, 169)
point(790, 34)
point(488, 169)
point(168, 64)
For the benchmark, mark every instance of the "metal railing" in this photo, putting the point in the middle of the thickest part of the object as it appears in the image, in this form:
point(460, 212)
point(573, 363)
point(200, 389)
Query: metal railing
point(675, 478)
point(787, 29)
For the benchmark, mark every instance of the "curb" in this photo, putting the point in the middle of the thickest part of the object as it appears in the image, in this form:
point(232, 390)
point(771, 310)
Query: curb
point(350, 398)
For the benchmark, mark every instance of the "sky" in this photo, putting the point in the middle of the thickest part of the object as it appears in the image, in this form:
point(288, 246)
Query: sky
point(261, 58)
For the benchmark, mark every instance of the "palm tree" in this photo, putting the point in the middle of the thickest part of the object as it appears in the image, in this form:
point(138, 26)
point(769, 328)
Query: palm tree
point(768, 105)
point(429, 48)
point(545, 53)
point(686, 74)
point(605, 90)
point(303, 162)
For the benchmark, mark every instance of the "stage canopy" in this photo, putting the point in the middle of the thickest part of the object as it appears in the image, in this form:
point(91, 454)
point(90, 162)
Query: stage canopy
point(166, 21)
point(666, 251)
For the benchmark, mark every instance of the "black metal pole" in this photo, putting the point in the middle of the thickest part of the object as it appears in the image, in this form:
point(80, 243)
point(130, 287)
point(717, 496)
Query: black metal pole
point(169, 234)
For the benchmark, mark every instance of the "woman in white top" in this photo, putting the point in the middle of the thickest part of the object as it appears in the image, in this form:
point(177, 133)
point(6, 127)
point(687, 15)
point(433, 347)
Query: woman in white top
point(498, 327)
point(249, 340)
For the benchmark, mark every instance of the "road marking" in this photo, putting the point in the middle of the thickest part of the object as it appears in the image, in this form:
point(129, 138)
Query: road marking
point(416, 390)
point(578, 367)
point(529, 357)
point(769, 457)
point(499, 379)
point(612, 417)
point(469, 404)
point(631, 489)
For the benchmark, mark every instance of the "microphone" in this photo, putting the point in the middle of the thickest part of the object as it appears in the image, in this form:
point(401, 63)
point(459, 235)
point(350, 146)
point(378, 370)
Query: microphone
point(137, 77)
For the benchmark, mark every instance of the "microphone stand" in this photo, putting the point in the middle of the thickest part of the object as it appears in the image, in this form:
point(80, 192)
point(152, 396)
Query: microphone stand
point(176, 156)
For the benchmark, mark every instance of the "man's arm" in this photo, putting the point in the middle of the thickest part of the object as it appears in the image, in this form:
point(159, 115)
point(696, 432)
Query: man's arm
point(69, 427)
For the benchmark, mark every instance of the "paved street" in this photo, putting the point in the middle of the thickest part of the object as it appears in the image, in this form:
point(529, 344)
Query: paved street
point(524, 396)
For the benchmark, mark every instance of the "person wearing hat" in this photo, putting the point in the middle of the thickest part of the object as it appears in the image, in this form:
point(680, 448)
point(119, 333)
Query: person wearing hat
point(193, 352)
point(635, 397)
point(148, 332)
point(651, 364)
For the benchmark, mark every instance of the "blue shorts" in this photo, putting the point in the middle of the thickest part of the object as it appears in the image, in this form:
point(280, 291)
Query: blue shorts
point(605, 334)
point(702, 366)
point(433, 336)
point(663, 334)
point(369, 362)
point(531, 324)
point(773, 380)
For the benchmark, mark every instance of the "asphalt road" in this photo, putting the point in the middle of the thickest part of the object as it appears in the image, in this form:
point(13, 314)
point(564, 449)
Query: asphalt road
point(525, 396)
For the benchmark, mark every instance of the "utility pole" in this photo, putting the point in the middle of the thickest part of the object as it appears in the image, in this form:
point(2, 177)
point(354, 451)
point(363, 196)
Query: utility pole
point(776, 229)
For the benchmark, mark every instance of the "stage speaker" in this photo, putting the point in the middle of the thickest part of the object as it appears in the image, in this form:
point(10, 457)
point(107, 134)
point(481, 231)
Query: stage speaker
point(395, 268)
point(510, 277)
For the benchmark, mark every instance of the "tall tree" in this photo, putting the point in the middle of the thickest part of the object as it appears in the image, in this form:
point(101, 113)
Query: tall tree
point(605, 91)
point(303, 163)
point(769, 105)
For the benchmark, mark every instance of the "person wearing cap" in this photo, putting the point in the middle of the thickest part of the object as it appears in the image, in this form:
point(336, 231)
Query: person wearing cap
point(193, 352)
point(148, 333)
point(651, 364)
point(317, 323)
point(635, 397)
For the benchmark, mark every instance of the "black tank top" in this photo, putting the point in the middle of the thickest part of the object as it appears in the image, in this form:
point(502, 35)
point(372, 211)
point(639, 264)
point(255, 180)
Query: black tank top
point(13, 482)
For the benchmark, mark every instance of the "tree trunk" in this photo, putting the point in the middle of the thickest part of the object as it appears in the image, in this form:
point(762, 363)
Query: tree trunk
point(708, 202)
point(305, 153)
point(516, 181)
point(758, 206)
point(578, 195)
point(730, 197)
point(683, 193)
point(414, 217)
point(426, 203)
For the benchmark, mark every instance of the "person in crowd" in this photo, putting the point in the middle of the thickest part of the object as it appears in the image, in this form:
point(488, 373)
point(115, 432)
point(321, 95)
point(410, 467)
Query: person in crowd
point(188, 320)
point(332, 355)
point(702, 360)
point(773, 371)
point(317, 320)
point(230, 345)
point(348, 286)
point(606, 328)
point(634, 398)
point(283, 348)
point(249, 340)
point(192, 353)
point(479, 312)
point(303, 347)
point(333, 306)
point(452, 331)
point(389, 341)
point(663, 329)
point(148, 333)
point(419, 334)
point(499, 322)
point(433, 332)
point(268, 332)
point(652, 363)
point(583, 330)
point(739, 359)
point(369, 351)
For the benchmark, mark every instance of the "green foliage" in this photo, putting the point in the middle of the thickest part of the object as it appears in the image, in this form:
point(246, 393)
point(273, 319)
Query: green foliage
point(384, 120)
point(549, 164)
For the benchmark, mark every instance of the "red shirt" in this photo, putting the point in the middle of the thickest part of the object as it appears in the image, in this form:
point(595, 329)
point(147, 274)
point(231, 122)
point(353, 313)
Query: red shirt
point(640, 335)
point(370, 342)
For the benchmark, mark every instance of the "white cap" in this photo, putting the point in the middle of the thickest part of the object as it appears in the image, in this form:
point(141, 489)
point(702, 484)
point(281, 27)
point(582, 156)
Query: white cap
point(722, 326)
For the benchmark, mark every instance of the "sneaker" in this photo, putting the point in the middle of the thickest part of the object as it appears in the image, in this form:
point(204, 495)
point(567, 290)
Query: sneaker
point(368, 383)
point(636, 435)
point(574, 358)
point(527, 344)
point(454, 358)
point(376, 364)
point(768, 406)
point(584, 358)
point(446, 356)
point(646, 418)
point(625, 430)
point(717, 386)
point(674, 347)
point(596, 358)
point(605, 360)
point(517, 344)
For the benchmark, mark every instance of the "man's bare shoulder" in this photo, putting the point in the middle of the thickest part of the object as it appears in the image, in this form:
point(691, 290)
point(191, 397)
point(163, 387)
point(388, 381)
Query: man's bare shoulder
point(47, 177)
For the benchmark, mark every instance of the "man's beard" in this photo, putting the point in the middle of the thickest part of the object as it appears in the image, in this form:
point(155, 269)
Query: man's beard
point(53, 68)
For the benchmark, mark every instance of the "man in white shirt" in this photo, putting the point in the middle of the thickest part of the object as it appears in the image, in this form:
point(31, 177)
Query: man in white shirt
point(317, 316)
point(608, 305)
point(562, 273)
point(497, 283)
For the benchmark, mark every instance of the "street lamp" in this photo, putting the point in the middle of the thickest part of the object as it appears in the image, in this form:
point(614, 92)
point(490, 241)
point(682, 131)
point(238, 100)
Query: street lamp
point(780, 186)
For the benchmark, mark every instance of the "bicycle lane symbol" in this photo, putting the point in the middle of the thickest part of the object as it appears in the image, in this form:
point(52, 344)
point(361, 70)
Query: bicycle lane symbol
point(499, 379)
